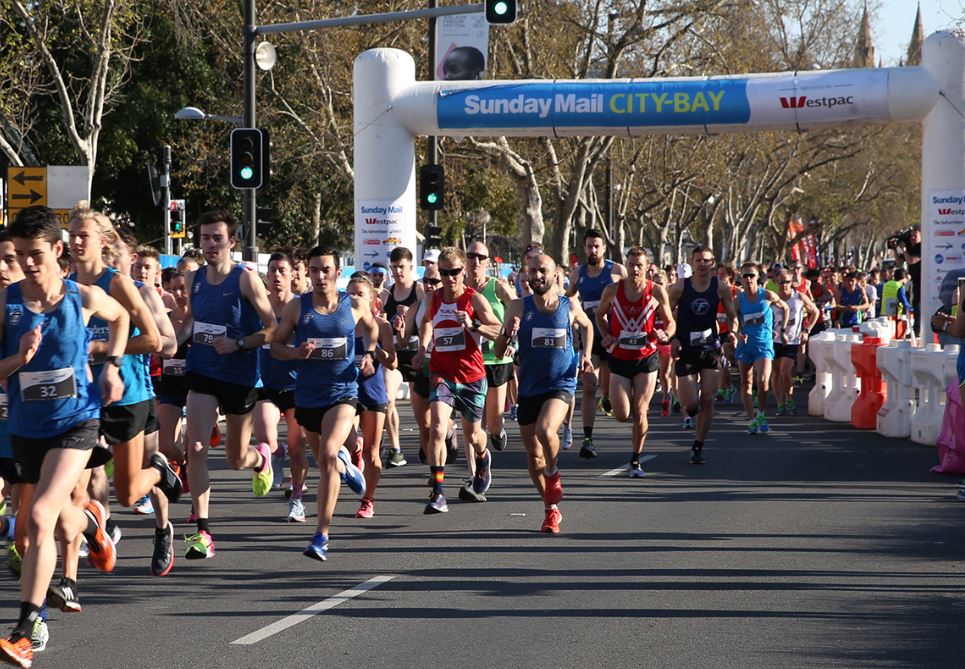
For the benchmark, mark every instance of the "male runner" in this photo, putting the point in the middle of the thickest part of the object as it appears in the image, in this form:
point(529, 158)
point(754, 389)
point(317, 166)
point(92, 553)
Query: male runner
point(755, 343)
point(53, 406)
point(625, 317)
point(804, 314)
point(543, 323)
point(696, 302)
point(324, 323)
point(227, 304)
point(499, 293)
point(455, 320)
point(589, 279)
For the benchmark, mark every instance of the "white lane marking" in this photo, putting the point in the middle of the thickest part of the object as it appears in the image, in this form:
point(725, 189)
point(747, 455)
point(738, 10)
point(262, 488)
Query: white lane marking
point(314, 609)
point(625, 468)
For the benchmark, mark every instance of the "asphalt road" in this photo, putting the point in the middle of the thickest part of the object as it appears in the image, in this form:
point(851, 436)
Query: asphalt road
point(814, 546)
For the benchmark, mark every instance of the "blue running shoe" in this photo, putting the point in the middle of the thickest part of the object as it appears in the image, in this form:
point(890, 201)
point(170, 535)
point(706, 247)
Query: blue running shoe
point(318, 548)
point(762, 424)
point(484, 474)
point(352, 476)
point(688, 423)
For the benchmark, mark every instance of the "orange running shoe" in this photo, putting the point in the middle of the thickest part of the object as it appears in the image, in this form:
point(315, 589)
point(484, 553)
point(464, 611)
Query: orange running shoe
point(18, 653)
point(215, 436)
point(102, 554)
point(551, 522)
point(554, 489)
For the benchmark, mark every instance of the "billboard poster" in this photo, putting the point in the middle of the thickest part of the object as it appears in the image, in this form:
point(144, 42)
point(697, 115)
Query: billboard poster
point(462, 47)
point(943, 248)
point(382, 227)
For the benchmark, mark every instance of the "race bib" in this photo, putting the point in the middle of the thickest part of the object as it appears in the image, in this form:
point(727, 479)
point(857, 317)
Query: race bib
point(3, 406)
point(590, 306)
point(205, 333)
point(55, 384)
point(756, 318)
point(329, 348)
point(549, 338)
point(701, 338)
point(449, 339)
point(633, 340)
point(173, 367)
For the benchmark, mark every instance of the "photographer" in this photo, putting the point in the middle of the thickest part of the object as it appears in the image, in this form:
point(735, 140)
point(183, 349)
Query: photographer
point(907, 247)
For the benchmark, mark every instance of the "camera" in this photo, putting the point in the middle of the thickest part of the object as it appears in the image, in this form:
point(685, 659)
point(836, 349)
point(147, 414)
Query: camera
point(901, 239)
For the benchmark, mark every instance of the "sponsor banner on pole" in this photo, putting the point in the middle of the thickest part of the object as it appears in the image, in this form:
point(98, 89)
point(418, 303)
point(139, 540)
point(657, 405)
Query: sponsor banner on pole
point(382, 227)
point(819, 97)
point(462, 47)
point(943, 247)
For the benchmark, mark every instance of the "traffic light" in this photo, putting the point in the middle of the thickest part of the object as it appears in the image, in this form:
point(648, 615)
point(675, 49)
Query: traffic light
point(501, 12)
point(433, 236)
point(247, 158)
point(432, 187)
point(177, 227)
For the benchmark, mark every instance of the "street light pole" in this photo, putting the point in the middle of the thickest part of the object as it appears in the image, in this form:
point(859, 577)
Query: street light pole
point(250, 202)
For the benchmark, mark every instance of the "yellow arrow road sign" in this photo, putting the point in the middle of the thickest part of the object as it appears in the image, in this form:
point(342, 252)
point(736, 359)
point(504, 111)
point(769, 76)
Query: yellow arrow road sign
point(26, 186)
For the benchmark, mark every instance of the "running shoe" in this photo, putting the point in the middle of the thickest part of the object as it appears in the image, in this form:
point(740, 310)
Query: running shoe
point(696, 456)
point(452, 446)
point(170, 483)
point(64, 596)
point(17, 650)
point(604, 407)
point(553, 492)
point(755, 426)
point(422, 455)
point(109, 468)
point(261, 481)
point(551, 521)
point(729, 395)
point(499, 441)
point(719, 395)
point(396, 459)
point(780, 410)
point(513, 412)
point(296, 511)
point(566, 442)
point(366, 508)
point(192, 517)
point(200, 546)
point(468, 494)
point(484, 474)
point(762, 426)
point(183, 475)
point(102, 553)
point(39, 636)
point(636, 471)
point(84, 552)
point(278, 469)
point(318, 548)
point(665, 408)
point(351, 476)
point(357, 459)
point(688, 423)
point(587, 451)
point(13, 559)
point(113, 531)
point(437, 504)
point(790, 407)
point(215, 439)
point(162, 558)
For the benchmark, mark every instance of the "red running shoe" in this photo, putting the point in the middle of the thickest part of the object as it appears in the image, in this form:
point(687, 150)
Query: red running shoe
point(102, 554)
point(665, 408)
point(18, 653)
point(551, 521)
point(215, 436)
point(554, 489)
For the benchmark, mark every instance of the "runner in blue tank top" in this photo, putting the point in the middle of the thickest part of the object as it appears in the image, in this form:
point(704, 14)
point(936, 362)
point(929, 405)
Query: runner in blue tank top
point(851, 300)
point(324, 323)
point(229, 319)
point(276, 396)
point(543, 324)
point(589, 280)
point(755, 342)
point(373, 398)
point(53, 406)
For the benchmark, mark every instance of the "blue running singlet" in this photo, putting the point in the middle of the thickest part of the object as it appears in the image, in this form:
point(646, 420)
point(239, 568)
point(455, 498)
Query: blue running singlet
point(547, 361)
point(371, 388)
point(330, 373)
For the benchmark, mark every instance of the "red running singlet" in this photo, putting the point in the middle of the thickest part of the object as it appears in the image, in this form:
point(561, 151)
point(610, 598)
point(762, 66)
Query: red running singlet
point(456, 354)
point(631, 324)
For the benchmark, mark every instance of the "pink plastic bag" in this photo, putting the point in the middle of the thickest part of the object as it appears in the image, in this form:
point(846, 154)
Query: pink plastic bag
point(951, 441)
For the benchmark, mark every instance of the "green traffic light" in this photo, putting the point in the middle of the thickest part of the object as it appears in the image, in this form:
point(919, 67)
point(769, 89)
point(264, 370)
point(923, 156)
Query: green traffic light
point(432, 198)
point(500, 8)
point(247, 173)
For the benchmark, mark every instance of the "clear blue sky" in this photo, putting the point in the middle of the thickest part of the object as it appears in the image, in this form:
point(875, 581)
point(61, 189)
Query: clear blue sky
point(892, 28)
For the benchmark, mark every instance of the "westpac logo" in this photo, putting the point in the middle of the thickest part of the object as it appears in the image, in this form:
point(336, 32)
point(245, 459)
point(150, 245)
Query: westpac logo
point(803, 101)
point(377, 221)
point(951, 212)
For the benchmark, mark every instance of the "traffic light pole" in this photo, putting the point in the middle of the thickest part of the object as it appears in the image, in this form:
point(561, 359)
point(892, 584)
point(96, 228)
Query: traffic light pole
point(431, 141)
point(166, 189)
point(249, 195)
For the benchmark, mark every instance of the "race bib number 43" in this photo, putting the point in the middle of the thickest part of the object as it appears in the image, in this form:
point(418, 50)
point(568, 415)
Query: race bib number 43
point(56, 384)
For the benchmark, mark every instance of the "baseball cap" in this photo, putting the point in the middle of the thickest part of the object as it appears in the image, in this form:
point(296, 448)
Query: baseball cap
point(431, 255)
point(777, 267)
point(684, 271)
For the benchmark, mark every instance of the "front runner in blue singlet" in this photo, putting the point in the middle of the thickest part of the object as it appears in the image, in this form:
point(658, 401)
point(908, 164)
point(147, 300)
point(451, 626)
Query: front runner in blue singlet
point(543, 324)
point(589, 280)
point(755, 342)
point(229, 319)
point(53, 406)
point(324, 323)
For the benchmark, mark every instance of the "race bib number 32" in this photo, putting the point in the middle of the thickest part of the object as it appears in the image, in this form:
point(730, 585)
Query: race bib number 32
point(56, 384)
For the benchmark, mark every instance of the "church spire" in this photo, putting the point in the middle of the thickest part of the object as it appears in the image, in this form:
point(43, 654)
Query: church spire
point(917, 39)
point(864, 49)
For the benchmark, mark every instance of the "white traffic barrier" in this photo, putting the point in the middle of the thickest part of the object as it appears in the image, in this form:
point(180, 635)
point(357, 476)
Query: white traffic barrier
point(819, 348)
point(951, 364)
point(845, 384)
point(880, 328)
point(928, 375)
point(894, 416)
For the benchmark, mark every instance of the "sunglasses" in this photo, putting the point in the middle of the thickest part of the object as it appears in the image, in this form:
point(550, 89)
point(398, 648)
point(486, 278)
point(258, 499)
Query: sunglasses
point(477, 256)
point(432, 282)
point(749, 276)
point(455, 271)
point(784, 283)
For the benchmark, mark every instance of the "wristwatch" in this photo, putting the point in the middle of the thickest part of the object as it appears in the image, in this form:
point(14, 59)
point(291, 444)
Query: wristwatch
point(475, 325)
point(240, 343)
point(114, 360)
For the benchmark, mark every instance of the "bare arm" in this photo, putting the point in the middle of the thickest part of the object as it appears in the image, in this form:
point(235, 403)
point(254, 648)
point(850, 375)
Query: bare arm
point(253, 290)
point(579, 318)
point(489, 325)
point(574, 278)
point(280, 350)
point(514, 313)
point(386, 350)
point(100, 304)
point(601, 315)
point(158, 311)
point(666, 314)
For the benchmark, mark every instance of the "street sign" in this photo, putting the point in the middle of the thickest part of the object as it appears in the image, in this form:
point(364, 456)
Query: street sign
point(26, 186)
point(59, 187)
